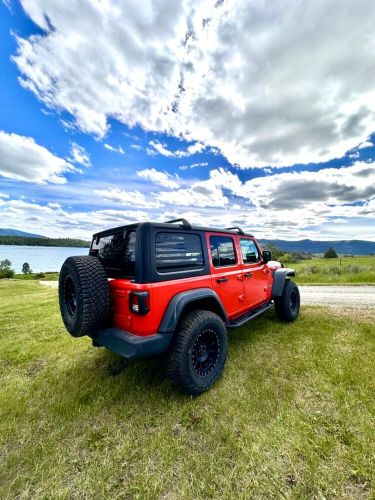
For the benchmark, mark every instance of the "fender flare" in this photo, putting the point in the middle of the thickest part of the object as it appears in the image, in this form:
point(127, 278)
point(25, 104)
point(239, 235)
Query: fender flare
point(279, 278)
point(178, 303)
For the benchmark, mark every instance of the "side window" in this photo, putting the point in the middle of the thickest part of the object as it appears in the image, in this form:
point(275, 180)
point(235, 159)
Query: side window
point(117, 251)
point(222, 251)
point(176, 252)
point(249, 251)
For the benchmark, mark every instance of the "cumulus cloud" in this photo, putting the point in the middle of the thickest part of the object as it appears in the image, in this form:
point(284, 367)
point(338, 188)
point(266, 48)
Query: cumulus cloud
point(128, 198)
point(268, 83)
point(21, 158)
point(159, 178)
point(114, 149)
point(56, 221)
point(286, 204)
point(202, 194)
point(301, 190)
point(79, 155)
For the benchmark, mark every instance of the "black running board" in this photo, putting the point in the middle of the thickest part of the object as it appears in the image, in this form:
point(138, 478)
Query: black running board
point(249, 316)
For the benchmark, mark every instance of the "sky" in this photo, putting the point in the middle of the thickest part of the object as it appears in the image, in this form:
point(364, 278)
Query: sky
point(228, 113)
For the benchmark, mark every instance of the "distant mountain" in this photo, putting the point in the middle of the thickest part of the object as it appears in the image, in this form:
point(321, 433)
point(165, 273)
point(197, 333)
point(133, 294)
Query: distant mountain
point(346, 247)
point(15, 232)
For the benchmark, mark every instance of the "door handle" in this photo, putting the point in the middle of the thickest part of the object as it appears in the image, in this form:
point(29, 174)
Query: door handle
point(222, 280)
point(248, 275)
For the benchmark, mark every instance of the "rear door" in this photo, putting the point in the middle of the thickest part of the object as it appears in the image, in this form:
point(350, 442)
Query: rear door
point(226, 272)
point(257, 278)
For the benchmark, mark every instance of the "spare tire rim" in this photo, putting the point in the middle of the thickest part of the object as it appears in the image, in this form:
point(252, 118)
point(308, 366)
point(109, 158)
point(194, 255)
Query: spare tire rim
point(70, 298)
point(293, 300)
point(205, 352)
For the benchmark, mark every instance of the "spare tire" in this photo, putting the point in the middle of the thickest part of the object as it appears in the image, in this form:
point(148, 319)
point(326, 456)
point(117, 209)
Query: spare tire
point(83, 295)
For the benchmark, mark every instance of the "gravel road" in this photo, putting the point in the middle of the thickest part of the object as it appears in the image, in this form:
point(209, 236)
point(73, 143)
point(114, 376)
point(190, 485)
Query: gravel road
point(339, 296)
point(333, 296)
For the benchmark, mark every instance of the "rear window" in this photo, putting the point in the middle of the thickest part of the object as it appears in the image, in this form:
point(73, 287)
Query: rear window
point(117, 252)
point(222, 251)
point(178, 252)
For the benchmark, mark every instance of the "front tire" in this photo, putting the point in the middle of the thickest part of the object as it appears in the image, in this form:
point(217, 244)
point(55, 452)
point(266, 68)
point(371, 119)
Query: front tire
point(287, 306)
point(198, 352)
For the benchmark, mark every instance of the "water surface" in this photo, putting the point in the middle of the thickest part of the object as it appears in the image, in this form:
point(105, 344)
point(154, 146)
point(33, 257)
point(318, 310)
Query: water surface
point(41, 259)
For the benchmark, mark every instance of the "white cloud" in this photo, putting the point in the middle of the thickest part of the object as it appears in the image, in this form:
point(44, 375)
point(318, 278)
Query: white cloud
point(21, 158)
point(268, 83)
point(3, 195)
point(157, 147)
point(366, 144)
point(128, 198)
point(325, 189)
point(55, 221)
point(200, 194)
point(114, 149)
point(79, 155)
point(159, 178)
point(193, 165)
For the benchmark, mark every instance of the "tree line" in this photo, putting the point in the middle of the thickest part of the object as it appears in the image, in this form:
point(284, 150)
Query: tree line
point(43, 242)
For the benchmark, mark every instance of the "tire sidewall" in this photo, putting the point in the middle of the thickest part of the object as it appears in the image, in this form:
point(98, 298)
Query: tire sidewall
point(203, 382)
point(291, 287)
point(71, 322)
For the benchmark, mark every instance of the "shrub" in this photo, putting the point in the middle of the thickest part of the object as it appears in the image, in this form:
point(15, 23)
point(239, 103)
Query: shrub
point(305, 271)
point(6, 273)
point(330, 253)
point(6, 270)
point(39, 275)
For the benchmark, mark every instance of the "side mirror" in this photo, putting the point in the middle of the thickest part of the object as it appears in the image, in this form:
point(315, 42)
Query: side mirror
point(267, 256)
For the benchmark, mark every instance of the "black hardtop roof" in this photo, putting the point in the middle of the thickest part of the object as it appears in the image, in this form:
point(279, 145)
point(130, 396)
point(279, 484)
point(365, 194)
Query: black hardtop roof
point(185, 226)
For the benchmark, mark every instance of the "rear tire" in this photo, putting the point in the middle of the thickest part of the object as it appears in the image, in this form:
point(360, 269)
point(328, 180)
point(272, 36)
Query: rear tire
point(198, 352)
point(287, 306)
point(83, 295)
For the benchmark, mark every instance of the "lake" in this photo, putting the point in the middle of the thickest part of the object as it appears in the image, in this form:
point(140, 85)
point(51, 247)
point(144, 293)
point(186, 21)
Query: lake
point(41, 259)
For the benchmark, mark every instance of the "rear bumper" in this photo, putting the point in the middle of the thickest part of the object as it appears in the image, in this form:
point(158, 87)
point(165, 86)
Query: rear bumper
point(132, 346)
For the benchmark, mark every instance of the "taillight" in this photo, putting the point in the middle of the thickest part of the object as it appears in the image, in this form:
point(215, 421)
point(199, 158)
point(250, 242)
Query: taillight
point(139, 302)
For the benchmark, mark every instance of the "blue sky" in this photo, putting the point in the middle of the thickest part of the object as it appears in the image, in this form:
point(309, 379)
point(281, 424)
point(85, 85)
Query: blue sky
point(227, 113)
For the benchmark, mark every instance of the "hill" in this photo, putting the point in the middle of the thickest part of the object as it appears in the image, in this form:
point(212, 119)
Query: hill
point(345, 247)
point(16, 232)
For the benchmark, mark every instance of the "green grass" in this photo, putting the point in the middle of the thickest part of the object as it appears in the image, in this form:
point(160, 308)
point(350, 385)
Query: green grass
point(48, 276)
point(292, 417)
point(353, 270)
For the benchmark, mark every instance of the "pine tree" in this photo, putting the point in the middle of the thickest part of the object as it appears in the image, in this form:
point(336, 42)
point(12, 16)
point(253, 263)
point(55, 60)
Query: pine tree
point(26, 269)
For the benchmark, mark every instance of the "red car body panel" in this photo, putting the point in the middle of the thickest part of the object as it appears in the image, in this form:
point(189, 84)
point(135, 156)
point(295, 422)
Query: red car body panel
point(237, 290)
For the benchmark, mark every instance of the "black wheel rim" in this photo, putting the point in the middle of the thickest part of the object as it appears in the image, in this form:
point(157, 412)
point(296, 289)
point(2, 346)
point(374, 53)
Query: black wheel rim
point(293, 301)
point(205, 352)
point(70, 298)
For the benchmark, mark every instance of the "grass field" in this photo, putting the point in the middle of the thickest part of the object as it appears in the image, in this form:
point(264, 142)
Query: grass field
point(292, 417)
point(47, 276)
point(352, 270)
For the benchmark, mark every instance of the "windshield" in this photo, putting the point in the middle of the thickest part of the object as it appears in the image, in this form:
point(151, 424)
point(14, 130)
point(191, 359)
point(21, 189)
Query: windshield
point(117, 253)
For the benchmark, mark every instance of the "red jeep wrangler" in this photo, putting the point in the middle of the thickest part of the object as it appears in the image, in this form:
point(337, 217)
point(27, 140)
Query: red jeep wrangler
point(153, 288)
